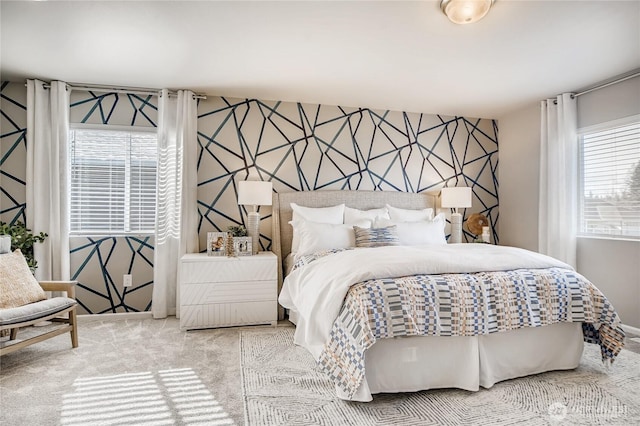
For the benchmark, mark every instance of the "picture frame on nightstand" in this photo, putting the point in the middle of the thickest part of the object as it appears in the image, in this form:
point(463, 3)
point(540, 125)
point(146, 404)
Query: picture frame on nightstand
point(216, 243)
point(242, 246)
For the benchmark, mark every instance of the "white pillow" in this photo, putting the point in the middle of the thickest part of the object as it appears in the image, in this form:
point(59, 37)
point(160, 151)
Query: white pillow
point(333, 215)
point(315, 236)
point(353, 216)
point(417, 233)
point(406, 215)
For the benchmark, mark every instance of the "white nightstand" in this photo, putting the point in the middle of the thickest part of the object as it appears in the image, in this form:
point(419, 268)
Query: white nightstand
point(219, 291)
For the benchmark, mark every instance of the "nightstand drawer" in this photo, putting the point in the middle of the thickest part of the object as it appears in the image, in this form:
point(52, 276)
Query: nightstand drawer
point(206, 293)
point(228, 314)
point(225, 291)
point(260, 268)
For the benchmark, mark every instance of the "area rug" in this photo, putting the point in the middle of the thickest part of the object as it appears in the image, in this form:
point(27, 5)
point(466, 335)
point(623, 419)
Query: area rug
point(281, 385)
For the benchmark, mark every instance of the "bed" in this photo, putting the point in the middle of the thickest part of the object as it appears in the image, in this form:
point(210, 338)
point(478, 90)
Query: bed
point(437, 348)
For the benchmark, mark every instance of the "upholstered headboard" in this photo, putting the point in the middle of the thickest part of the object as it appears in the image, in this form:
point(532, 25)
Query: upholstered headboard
point(282, 232)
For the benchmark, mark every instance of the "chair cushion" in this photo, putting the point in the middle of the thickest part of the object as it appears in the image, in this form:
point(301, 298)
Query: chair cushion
point(17, 284)
point(35, 310)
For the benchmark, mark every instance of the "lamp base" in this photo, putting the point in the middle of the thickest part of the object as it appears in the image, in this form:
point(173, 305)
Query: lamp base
point(456, 228)
point(253, 230)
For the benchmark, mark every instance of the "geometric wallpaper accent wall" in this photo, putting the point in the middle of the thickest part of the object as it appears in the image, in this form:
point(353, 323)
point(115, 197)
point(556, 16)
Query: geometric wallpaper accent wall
point(13, 152)
point(303, 147)
point(296, 146)
point(99, 263)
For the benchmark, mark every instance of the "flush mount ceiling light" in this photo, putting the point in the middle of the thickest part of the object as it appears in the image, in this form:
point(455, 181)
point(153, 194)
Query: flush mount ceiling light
point(465, 11)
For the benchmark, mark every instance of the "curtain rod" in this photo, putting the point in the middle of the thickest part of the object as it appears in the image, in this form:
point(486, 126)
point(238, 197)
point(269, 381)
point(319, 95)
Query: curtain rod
point(602, 86)
point(131, 91)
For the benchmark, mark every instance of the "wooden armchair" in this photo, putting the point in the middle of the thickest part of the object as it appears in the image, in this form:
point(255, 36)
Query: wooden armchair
point(55, 309)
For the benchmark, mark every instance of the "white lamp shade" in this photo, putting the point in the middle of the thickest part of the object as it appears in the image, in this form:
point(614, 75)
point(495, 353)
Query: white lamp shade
point(254, 193)
point(454, 198)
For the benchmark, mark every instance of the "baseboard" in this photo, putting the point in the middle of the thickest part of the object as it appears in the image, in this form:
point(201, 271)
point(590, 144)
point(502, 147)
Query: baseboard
point(114, 317)
point(632, 330)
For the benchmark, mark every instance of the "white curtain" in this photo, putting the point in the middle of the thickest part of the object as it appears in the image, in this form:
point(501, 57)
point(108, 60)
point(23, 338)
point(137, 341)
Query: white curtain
point(47, 192)
point(176, 206)
point(557, 220)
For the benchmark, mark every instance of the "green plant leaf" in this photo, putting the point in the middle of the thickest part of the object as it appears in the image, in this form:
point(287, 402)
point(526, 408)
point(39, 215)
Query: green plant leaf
point(22, 238)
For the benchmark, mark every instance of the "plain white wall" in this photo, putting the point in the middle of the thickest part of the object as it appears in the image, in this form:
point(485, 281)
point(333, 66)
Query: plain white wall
point(518, 174)
point(610, 103)
point(612, 265)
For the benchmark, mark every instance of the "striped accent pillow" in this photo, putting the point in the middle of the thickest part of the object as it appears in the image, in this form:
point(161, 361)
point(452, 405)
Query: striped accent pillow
point(376, 237)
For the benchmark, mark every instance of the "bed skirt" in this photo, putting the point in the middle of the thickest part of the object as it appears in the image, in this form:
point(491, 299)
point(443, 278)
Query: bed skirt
point(398, 364)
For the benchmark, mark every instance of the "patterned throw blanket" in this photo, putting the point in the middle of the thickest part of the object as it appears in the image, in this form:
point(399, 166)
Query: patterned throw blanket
point(463, 305)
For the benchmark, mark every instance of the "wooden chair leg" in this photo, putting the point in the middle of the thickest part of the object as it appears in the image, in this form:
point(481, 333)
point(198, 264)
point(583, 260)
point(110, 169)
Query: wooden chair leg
point(13, 334)
point(73, 320)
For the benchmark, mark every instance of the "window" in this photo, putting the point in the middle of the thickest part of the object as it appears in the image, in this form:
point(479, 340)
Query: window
point(113, 181)
point(610, 179)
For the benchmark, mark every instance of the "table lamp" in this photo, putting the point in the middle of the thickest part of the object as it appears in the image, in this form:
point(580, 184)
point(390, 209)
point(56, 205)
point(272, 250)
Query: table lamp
point(254, 193)
point(454, 198)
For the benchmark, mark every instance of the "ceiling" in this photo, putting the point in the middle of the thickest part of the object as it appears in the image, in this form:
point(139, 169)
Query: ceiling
point(396, 55)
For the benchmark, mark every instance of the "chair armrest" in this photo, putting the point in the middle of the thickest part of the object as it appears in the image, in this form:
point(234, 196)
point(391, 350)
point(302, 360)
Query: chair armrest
point(68, 286)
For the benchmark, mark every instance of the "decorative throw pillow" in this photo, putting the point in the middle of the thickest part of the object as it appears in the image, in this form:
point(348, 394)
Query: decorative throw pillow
point(17, 285)
point(376, 237)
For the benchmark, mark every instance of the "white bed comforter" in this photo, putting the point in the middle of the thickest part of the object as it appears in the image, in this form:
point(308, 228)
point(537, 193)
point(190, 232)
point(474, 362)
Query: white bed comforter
point(316, 291)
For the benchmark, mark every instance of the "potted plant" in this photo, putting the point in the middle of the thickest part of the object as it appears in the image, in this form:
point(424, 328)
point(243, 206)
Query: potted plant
point(237, 231)
point(22, 238)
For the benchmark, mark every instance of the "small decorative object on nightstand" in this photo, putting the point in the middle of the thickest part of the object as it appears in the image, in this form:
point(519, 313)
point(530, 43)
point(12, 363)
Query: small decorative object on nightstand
point(476, 224)
point(239, 243)
point(228, 291)
point(242, 246)
point(216, 243)
point(486, 235)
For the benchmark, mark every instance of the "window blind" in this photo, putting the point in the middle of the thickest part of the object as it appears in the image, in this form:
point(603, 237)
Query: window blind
point(113, 181)
point(610, 181)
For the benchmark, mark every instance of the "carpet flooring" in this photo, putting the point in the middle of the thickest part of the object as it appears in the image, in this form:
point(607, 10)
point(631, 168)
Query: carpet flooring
point(282, 386)
point(148, 372)
point(125, 372)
